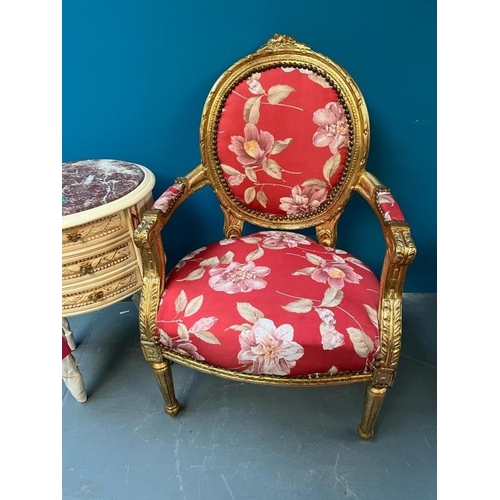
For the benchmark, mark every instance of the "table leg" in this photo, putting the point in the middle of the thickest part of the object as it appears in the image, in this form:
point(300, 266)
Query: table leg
point(73, 379)
point(71, 373)
point(68, 334)
point(136, 299)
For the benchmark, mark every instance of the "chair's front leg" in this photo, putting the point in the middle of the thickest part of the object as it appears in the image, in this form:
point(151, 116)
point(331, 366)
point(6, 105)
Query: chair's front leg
point(373, 402)
point(163, 374)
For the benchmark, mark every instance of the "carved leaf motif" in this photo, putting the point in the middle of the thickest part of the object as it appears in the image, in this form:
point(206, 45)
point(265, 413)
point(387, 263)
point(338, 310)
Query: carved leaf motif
point(251, 110)
point(250, 173)
point(182, 331)
point(363, 344)
point(272, 169)
point(315, 259)
point(278, 92)
point(256, 254)
point(180, 302)
point(193, 306)
point(306, 271)
point(262, 198)
point(249, 312)
point(331, 166)
point(147, 316)
point(230, 170)
point(194, 275)
point(372, 314)
point(207, 337)
point(333, 297)
point(279, 146)
point(299, 306)
point(249, 195)
point(314, 183)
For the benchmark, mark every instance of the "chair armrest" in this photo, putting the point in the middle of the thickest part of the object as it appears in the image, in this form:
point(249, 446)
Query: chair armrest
point(182, 188)
point(147, 237)
point(400, 253)
point(401, 249)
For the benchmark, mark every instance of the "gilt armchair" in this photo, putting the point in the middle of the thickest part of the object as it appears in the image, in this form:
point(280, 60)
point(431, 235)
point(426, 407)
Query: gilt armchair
point(284, 141)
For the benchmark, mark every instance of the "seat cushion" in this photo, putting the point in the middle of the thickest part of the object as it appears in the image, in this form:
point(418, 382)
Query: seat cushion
point(274, 303)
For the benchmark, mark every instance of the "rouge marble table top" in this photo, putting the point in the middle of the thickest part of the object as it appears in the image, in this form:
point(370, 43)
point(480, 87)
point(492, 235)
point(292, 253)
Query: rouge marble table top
point(91, 183)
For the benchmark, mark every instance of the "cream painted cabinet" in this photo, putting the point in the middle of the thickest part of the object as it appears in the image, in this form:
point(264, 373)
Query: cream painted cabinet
point(102, 203)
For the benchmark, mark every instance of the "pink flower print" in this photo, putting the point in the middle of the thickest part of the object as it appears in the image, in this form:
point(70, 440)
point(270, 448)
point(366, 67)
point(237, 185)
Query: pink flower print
point(181, 346)
point(302, 200)
point(236, 180)
point(330, 337)
point(333, 128)
point(283, 239)
point(203, 324)
point(186, 347)
point(237, 278)
point(335, 274)
point(254, 86)
point(166, 199)
point(386, 198)
point(227, 241)
point(252, 150)
point(270, 350)
point(389, 206)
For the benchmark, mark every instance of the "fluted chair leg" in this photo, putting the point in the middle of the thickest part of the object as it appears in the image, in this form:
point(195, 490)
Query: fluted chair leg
point(373, 402)
point(163, 374)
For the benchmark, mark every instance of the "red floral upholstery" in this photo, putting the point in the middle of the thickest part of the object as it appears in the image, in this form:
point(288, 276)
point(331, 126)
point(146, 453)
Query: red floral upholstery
point(283, 139)
point(389, 207)
point(165, 201)
point(289, 307)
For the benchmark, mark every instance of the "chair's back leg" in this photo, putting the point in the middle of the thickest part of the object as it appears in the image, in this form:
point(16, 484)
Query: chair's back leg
point(163, 374)
point(373, 402)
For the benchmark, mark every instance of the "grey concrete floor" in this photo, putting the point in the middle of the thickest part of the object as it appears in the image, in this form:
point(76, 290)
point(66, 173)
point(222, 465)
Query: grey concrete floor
point(239, 441)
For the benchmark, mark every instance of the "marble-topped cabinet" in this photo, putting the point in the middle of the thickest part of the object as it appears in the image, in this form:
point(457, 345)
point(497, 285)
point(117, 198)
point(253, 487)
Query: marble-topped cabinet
point(102, 204)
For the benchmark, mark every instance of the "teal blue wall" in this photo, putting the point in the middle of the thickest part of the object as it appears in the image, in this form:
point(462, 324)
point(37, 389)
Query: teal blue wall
point(136, 74)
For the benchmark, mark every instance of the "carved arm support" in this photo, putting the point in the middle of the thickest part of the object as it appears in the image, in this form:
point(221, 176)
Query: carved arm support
point(400, 253)
point(147, 238)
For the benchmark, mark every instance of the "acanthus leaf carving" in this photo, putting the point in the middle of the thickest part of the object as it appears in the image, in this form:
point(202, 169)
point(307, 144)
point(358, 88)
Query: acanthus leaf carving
point(390, 336)
point(404, 247)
